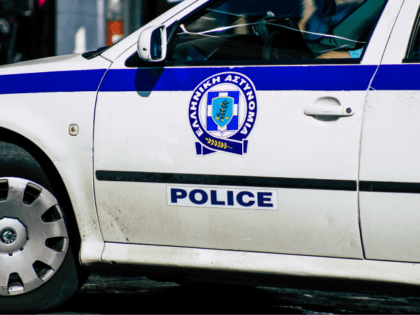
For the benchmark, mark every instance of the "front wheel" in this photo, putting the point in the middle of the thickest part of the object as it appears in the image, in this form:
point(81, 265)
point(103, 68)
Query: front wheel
point(38, 270)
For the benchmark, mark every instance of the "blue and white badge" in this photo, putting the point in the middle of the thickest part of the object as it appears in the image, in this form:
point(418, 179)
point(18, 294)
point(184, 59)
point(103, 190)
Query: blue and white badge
point(222, 113)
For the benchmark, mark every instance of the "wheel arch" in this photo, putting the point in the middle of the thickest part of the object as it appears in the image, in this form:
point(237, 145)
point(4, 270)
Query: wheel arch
point(36, 164)
point(83, 234)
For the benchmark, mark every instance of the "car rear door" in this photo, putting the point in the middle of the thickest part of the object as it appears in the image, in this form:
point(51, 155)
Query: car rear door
point(390, 152)
point(234, 154)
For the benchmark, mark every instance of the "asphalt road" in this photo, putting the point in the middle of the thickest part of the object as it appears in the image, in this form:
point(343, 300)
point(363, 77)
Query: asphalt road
point(139, 295)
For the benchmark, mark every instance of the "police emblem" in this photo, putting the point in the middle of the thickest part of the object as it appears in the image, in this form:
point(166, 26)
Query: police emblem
point(222, 113)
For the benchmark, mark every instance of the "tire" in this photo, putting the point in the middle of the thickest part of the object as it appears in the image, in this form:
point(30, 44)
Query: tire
point(38, 247)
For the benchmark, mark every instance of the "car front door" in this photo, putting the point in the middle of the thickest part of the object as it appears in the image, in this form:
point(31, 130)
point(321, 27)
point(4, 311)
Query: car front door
point(247, 137)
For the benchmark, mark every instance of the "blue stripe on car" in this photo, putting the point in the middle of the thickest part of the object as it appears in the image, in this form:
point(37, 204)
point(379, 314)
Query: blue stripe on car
point(397, 77)
point(47, 82)
point(272, 78)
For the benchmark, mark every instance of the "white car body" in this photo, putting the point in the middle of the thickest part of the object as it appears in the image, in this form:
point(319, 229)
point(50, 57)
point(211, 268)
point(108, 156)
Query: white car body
point(327, 222)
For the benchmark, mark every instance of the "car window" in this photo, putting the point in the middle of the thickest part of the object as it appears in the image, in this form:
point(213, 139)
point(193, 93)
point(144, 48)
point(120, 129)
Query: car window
point(249, 30)
point(413, 52)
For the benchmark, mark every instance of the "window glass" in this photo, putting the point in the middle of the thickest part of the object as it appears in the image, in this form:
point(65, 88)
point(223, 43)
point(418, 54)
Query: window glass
point(413, 53)
point(241, 30)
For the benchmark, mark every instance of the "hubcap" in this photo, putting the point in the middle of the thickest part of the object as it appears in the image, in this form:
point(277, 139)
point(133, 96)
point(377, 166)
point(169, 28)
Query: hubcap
point(33, 237)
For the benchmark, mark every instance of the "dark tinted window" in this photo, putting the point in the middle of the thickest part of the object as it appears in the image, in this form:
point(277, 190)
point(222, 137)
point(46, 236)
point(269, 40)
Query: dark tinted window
point(413, 53)
point(249, 30)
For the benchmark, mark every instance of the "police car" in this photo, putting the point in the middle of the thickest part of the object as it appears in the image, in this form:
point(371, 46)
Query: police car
point(259, 142)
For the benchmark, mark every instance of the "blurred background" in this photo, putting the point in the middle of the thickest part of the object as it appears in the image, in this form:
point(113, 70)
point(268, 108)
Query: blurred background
point(31, 29)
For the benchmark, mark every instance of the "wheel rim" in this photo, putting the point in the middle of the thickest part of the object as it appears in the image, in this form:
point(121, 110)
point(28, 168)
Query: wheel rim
point(33, 236)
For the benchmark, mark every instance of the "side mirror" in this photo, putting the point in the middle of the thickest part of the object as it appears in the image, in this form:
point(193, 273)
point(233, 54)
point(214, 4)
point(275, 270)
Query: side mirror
point(152, 44)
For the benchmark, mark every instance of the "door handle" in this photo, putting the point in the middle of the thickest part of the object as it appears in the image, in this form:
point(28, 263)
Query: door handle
point(328, 106)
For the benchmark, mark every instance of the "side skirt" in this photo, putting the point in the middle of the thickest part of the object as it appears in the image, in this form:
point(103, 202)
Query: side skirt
point(251, 268)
